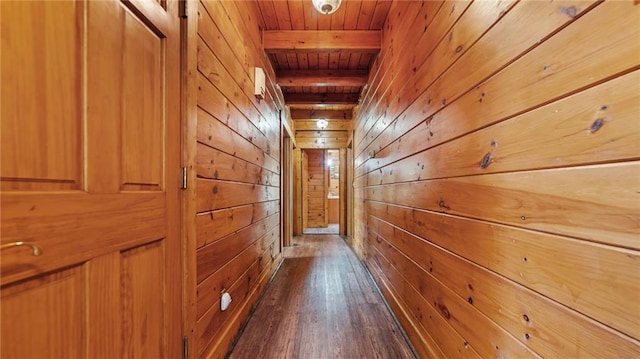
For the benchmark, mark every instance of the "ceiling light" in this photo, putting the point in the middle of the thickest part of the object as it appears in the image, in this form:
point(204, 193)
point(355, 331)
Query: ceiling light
point(322, 124)
point(326, 7)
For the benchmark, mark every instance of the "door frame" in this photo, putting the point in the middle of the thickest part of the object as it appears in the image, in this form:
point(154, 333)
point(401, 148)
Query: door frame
point(189, 86)
point(286, 184)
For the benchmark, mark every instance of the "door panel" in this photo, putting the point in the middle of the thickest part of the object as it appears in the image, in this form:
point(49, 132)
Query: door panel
point(142, 301)
point(34, 60)
point(90, 148)
point(44, 315)
point(142, 90)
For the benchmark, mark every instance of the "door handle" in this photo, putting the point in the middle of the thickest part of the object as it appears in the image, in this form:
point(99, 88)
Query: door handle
point(35, 249)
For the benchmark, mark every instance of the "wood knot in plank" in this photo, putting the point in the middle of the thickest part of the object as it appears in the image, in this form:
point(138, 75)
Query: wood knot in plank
point(444, 310)
point(570, 11)
point(486, 160)
point(596, 125)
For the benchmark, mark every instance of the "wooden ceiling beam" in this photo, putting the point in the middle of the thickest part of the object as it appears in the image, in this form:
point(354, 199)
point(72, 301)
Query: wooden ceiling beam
point(301, 125)
point(322, 143)
point(321, 98)
point(321, 78)
point(363, 41)
point(300, 114)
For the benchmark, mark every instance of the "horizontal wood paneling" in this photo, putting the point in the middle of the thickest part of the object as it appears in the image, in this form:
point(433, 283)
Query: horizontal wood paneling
point(496, 190)
point(236, 157)
point(215, 164)
point(212, 322)
point(214, 255)
point(563, 133)
point(548, 18)
point(213, 225)
point(477, 331)
point(209, 289)
point(535, 260)
point(542, 200)
point(214, 194)
point(545, 326)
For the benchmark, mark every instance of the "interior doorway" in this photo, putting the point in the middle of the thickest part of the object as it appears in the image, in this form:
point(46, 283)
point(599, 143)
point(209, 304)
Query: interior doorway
point(320, 187)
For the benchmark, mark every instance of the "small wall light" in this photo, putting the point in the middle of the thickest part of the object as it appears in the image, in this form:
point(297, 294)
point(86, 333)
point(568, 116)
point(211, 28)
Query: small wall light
point(326, 7)
point(259, 83)
point(322, 124)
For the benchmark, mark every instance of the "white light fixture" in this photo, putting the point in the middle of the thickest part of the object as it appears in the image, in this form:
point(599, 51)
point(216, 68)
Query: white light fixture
point(322, 124)
point(326, 7)
point(259, 81)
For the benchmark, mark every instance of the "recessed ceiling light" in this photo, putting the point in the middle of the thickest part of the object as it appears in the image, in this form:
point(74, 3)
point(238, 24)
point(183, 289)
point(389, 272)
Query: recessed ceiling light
point(326, 7)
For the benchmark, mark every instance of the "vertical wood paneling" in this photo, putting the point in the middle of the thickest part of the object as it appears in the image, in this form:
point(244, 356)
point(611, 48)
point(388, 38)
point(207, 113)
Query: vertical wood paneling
point(496, 178)
point(316, 188)
point(236, 160)
point(297, 192)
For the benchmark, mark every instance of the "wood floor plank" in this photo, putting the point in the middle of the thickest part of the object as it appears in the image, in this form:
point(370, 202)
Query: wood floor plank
point(321, 304)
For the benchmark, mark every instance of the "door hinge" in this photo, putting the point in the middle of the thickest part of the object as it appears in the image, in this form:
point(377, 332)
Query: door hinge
point(185, 347)
point(182, 11)
point(183, 185)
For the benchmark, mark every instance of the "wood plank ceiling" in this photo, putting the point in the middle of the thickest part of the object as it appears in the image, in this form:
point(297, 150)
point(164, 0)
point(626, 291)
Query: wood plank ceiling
point(322, 61)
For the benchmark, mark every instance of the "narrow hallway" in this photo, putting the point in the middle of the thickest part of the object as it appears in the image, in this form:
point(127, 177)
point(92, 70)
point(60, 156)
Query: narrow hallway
point(321, 304)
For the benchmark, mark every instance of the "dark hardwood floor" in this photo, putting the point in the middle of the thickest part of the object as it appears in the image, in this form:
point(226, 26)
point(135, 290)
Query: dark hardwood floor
point(321, 304)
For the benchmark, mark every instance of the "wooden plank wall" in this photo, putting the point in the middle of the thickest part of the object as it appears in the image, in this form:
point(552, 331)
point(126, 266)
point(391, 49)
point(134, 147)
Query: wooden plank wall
point(330, 138)
point(297, 192)
point(317, 191)
point(497, 192)
point(237, 162)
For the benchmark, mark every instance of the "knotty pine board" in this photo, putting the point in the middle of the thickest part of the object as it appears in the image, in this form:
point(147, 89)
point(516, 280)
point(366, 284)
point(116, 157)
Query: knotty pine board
point(509, 124)
point(483, 335)
point(215, 164)
point(236, 157)
point(543, 200)
point(552, 330)
point(216, 134)
point(213, 225)
point(213, 256)
point(239, 60)
point(209, 289)
point(535, 260)
point(479, 62)
point(593, 126)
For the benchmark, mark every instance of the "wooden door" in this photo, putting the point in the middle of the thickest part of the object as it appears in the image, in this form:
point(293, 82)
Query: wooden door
point(316, 188)
point(90, 175)
point(305, 190)
point(286, 187)
point(325, 188)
